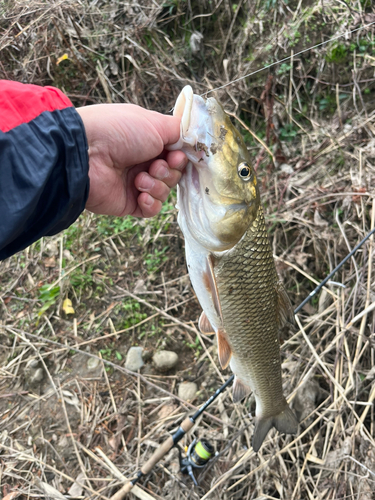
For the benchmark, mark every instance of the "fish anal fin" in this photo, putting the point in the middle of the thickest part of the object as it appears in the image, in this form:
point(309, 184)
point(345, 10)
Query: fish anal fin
point(223, 348)
point(284, 308)
point(211, 287)
point(285, 422)
point(205, 325)
point(240, 390)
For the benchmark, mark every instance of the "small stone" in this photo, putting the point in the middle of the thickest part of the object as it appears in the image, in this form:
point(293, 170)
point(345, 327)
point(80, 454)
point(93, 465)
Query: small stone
point(67, 255)
point(287, 169)
point(110, 252)
point(134, 359)
point(92, 364)
point(165, 360)
point(32, 364)
point(36, 377)
point(33, 372)
point(187, 391)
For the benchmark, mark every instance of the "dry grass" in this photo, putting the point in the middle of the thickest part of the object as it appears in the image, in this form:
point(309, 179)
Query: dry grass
point(74, 424)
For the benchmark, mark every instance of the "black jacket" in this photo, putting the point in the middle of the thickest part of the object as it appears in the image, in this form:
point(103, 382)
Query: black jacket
point(44, 181)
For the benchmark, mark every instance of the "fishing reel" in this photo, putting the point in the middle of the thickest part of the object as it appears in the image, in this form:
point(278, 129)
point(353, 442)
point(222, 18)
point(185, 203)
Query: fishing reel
point(197, 457)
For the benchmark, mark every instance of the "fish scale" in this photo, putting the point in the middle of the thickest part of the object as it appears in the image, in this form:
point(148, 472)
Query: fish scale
point(229, 258)
point(247, 285)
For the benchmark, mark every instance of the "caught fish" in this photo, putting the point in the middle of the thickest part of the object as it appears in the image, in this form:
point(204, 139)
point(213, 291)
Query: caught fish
point(229, 259)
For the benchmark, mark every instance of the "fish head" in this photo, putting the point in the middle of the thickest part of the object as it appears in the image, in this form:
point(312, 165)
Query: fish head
point(218, 195)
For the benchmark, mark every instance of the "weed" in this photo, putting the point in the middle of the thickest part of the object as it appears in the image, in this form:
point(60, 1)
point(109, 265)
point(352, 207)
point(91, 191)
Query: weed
point(82, 280)
point(132, 313)
point(196, 346)
point(288, 132)
point(110, 351)
point(284, 68)
point(156, 259)
point(337, 54)
point(48, 297)
point(329, 104)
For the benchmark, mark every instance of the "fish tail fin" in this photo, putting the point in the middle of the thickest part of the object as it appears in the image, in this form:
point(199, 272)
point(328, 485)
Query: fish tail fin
point(285, 421)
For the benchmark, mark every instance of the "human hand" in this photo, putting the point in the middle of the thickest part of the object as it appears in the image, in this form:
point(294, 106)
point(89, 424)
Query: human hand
point(130, 171)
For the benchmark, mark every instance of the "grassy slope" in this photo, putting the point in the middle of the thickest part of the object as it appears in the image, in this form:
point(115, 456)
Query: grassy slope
point(317, 117)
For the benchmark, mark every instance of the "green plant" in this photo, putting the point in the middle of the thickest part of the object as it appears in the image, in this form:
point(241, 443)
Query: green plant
point(133, 314)
point(156, 259)
point(48, 297)
point(329, 103)
point(288, 132)
point(284, 68)
point(337, 54)
point(80, 279)
point(196, 346)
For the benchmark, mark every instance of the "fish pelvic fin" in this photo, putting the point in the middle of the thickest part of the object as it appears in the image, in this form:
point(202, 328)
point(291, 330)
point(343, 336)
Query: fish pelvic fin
point(284, 308)
point(285, 422)
point(205, 325)
point(240, 390)
point(209, 280)
point(223, 348)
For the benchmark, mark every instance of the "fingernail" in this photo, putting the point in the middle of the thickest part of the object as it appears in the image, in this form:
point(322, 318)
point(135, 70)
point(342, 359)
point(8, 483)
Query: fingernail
point(148, 200)
point(146, 183)
point(163, 172)
point(183, 164)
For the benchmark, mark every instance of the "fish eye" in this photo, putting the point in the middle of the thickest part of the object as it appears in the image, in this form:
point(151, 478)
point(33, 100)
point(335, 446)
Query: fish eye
point(244, 171)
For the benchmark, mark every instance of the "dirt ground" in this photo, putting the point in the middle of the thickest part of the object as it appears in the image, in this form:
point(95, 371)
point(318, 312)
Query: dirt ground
point(74, 422)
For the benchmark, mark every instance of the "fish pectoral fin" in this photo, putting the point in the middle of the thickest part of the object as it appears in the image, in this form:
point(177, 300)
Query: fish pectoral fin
point(284, 308)
point(240, 390)
point(211, 286)
point(224, 349)
point(205, 325)
point(285, 421)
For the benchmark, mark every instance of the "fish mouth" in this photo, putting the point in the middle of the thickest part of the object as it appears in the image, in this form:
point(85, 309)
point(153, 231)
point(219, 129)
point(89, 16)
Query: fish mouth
point(201, 207)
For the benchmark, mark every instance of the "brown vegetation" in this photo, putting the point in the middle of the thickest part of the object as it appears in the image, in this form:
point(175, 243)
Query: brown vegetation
point(66, 415)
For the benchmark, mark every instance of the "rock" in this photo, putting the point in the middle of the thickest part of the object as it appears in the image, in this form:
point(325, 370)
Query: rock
point(196, 42)
point(187, 391)
point(67, 255)
point(34, 373)
point(134, 359)
point(36, 376)
point(165, 360)
point(306, 399)
point(286, 169)
point(110, 252)
point(92, 364)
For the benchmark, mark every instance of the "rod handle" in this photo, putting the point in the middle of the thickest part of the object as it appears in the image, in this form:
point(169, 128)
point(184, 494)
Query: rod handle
point(163, 449)
point(120, 495)
point(158, 455)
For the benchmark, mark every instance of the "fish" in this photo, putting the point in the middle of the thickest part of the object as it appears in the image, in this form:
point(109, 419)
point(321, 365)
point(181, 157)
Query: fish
point(229, 259)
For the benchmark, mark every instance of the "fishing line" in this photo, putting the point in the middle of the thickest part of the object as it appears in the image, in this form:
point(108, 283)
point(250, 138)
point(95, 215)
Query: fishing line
point(347, 33)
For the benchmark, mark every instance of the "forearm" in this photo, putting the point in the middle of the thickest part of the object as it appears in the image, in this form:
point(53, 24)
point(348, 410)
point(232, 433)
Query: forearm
point(43, 165)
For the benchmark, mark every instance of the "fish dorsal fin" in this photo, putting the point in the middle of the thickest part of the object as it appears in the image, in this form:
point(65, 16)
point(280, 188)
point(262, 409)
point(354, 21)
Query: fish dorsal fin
point(223, 348)
point(211, 286)
point(205, 325)
point(240, 390)
point(284, 308)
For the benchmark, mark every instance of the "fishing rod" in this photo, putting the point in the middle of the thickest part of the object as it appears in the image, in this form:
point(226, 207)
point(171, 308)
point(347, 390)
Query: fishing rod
point(199, 453)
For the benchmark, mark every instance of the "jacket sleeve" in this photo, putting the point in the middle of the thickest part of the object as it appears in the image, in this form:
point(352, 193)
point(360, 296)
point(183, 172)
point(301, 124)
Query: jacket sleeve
point(44, 181)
